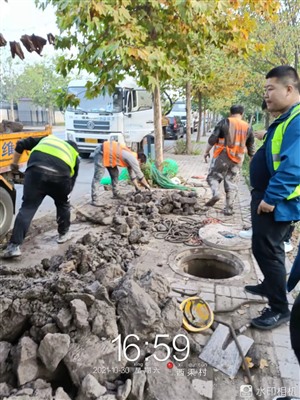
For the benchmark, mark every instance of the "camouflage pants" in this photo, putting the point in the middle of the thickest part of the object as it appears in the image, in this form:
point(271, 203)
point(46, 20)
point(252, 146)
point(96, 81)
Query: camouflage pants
point(224, 169)
point(99, 171)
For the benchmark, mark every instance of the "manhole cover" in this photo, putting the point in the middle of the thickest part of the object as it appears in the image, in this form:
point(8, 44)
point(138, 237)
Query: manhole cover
point(223, 237)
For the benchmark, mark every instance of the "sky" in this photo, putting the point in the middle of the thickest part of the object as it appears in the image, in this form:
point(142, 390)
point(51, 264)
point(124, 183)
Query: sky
point(19, 17)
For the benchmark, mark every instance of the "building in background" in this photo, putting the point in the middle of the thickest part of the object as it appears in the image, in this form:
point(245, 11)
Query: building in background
point(26, 112)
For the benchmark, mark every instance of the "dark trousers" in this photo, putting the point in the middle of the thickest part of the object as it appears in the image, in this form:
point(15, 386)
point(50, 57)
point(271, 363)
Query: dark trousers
point(295, 327)
point(268, 249)
point(38, 185)
point(99, 170)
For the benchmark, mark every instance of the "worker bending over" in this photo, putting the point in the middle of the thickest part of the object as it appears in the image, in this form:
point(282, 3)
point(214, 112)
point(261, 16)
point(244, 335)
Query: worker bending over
point(111, 155)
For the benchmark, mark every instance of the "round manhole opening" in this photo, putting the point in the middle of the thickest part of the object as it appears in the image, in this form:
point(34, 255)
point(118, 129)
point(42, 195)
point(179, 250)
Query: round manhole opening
point(207, 264)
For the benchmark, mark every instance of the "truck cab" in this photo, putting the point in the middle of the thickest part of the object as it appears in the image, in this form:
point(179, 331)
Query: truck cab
point(126, 116)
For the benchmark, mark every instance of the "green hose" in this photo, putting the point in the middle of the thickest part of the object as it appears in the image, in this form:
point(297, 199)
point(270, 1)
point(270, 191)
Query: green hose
point(164, 182)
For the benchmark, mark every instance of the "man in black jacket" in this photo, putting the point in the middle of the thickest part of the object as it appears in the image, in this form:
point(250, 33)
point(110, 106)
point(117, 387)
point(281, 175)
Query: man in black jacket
point(52, 170)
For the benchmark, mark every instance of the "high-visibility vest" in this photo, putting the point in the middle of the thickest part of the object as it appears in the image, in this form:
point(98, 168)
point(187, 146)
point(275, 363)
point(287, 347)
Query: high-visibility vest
point(235, 151)
point(112, 154)
point(277, 142)
point(58, 148)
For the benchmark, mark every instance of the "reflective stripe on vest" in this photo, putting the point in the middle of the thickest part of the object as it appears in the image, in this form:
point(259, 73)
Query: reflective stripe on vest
point(112, 154)
point(237, 150)
point(58, 148)
point(277, 142)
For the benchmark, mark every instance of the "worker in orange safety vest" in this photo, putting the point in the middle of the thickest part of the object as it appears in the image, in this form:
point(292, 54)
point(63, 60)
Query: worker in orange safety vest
point(111, 155)
point(230, 139)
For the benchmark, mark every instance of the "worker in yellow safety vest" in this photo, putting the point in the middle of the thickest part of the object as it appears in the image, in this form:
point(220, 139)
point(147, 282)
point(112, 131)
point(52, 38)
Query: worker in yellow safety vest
point(275, 195)
point(52, 169)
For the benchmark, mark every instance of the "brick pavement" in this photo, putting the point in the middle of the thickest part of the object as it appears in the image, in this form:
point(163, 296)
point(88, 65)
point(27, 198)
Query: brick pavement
point(282, 375)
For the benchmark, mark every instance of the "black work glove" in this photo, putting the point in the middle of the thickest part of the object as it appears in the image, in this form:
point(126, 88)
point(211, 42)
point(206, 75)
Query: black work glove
point(14, 168)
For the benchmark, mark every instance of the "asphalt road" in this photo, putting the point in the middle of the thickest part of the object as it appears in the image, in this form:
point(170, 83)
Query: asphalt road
point(82, 186)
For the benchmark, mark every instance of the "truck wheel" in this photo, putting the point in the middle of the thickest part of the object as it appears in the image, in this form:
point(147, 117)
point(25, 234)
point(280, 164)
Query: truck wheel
point(84, 155)
point(6, 211)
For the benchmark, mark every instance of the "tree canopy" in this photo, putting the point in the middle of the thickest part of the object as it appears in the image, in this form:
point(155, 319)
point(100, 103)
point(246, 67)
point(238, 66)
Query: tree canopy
point(150, 40)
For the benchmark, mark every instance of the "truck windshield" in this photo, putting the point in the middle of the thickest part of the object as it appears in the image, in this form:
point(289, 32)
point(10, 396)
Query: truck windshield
point(102, 104)
point(179, 107)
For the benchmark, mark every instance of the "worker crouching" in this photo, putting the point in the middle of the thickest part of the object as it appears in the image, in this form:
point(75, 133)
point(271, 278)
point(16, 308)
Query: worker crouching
point(111, 155)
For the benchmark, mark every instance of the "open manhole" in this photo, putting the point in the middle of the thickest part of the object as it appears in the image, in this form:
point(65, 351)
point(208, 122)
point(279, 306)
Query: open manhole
point(208, 264)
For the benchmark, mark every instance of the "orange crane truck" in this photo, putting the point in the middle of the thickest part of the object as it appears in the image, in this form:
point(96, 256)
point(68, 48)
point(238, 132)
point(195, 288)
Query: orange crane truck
point(7, 179)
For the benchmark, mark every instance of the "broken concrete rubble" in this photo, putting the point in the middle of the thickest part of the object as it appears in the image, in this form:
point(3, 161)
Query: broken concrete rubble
point(53, 349)
point(73, 307)
point(70, 322)
point(165, 384)
point(90, 389)
point(27, 368)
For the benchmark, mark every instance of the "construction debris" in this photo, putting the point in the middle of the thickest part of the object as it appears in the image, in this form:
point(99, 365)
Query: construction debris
point(10, 126)
point(223, 355)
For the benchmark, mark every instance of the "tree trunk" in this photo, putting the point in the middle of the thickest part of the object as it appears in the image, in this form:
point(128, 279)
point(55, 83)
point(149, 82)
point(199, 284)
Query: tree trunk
point(12, 110)
point(296, 57)
point(51, 115)
point(188, 119)
point(204, 122)
point(200, 116)
point(214, 118)
point(158, 127)
point(209, 124)
point(251, 120)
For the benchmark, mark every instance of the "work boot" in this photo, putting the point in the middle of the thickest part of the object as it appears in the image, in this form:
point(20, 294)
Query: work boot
point(212, 201)
point(62, 238)
point(257, 290)
point(12, 250)
point(270, 319)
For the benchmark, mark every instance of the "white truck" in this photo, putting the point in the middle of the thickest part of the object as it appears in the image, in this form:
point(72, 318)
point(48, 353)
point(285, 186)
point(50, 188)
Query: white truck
point(125, 116)
point(179, 110)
